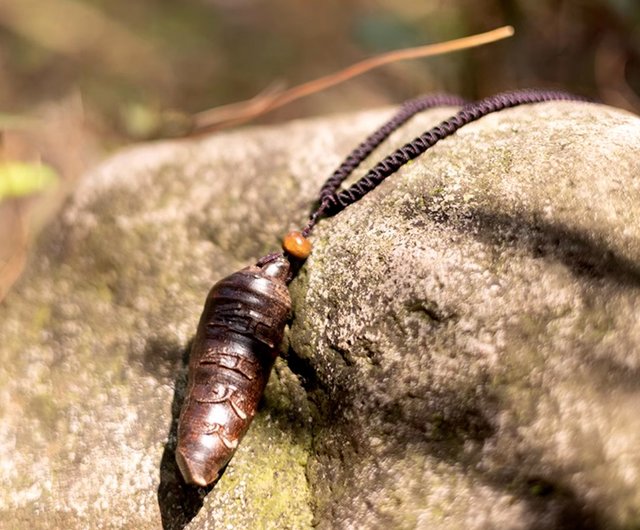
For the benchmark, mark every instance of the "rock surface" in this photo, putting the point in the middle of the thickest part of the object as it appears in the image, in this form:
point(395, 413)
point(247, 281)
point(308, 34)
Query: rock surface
point(464, 350)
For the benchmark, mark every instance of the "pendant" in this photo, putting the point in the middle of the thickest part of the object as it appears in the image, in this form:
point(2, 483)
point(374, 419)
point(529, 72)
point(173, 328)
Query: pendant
point(235, 347)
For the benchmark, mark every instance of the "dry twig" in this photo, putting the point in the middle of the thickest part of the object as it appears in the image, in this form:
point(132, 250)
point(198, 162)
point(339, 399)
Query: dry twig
point(243, 111)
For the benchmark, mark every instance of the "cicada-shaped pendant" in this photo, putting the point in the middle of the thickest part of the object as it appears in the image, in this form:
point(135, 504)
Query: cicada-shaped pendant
point(236, 344)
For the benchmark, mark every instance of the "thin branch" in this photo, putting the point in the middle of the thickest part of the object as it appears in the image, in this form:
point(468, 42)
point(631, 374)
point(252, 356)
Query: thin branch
point(243, 111)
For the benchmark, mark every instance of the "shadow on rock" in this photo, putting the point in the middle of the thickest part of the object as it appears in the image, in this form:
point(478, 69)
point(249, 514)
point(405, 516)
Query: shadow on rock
point(556, 504)
point(439, 423)
point(443, 422)
point(583, 254)
point(179, 502)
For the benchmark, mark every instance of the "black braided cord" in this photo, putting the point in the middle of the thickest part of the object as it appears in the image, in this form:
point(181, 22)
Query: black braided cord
point(330, 204)
point(406, 112)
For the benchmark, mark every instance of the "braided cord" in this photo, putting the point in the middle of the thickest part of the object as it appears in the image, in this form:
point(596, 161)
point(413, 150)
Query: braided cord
point(334, 202)
point(406, 112)
point(408, 109)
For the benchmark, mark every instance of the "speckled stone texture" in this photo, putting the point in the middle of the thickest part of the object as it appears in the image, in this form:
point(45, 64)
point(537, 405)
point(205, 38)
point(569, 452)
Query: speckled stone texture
point(464, 350)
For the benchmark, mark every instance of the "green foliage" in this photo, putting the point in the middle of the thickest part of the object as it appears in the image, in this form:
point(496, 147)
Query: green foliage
point(18, 179)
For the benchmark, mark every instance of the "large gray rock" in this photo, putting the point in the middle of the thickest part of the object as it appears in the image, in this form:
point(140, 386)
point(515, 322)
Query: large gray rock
point(464, 350)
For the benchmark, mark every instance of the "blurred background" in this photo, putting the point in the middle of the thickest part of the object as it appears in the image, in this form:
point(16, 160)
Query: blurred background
point(81, 78)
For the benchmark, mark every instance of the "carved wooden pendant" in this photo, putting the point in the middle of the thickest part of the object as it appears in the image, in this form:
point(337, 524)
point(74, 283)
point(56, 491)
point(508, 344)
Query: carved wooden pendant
point(236, 344)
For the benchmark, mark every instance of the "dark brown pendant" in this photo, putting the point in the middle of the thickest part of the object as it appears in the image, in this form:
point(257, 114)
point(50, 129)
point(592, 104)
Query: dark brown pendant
point(236, 344)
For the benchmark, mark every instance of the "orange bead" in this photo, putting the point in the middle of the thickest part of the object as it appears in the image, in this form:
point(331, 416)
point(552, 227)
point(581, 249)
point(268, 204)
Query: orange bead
point(295, 244)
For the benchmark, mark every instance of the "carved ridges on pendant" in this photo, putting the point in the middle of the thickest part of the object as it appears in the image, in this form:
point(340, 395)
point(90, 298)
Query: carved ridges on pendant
point(227, 391)
point(225, 402)
point(223, 394)
point(216, 428)
point(251, 324)
point(249, 304)
point(230, 360)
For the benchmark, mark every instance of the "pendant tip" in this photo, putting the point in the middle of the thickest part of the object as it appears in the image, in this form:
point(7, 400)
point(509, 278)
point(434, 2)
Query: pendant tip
point(195, 472)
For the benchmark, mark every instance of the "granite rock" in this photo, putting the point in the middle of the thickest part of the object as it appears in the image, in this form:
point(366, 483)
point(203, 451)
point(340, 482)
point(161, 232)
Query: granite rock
point(464, 350)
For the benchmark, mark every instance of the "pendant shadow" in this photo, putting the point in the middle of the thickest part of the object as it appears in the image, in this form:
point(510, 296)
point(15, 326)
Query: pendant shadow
point(179, 502)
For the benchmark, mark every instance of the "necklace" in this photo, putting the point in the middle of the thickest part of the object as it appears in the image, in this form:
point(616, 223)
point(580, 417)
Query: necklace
point(245, 314)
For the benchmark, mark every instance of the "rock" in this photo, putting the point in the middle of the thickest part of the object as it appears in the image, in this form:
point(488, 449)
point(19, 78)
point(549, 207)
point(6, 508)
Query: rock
point(464, 350)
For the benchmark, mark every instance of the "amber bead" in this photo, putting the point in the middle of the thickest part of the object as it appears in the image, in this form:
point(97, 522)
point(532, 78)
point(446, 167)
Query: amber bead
point(295, 244)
